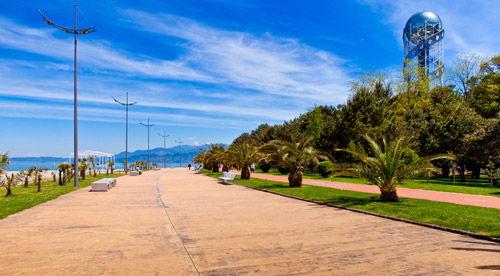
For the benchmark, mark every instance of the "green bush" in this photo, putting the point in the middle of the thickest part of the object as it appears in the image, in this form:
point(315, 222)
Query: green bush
point(283, 170)
point(265, 167)
point(323, 168)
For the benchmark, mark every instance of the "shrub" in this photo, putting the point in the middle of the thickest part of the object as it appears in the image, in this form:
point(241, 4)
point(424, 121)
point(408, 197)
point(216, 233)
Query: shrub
point(323, 168)
point(283, 170)
point(265, 167)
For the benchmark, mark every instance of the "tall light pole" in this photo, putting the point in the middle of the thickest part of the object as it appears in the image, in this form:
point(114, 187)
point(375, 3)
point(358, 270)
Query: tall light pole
point(164, 148)
point(76, 32)
point(126, 128)
point(148, 126)
point(180, 149)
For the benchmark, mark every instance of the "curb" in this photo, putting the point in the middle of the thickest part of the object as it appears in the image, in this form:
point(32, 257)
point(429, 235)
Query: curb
point(433, 226)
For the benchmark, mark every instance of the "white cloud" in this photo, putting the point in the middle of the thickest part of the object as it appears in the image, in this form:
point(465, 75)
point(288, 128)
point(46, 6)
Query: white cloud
point(273, 65)
point(254, 78)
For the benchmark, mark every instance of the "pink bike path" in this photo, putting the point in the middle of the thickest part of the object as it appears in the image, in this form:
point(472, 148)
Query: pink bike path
point(457, 198)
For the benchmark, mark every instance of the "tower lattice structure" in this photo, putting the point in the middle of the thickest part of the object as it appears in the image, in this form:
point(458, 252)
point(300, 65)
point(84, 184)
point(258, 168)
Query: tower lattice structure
point(423, 44)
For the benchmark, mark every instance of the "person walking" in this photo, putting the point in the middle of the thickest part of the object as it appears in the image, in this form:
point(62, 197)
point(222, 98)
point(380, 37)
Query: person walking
point(189, 166)
point(252, 168)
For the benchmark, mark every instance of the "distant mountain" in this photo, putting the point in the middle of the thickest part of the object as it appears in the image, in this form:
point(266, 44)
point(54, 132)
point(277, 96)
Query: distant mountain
point(157, 154)
point(187, 149)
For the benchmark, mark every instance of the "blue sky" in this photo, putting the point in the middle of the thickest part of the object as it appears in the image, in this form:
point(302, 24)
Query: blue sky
point(203, 71)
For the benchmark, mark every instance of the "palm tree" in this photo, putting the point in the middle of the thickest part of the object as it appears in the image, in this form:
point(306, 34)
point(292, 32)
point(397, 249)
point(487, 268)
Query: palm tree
point(124, 165)
point(391, 164)
point(25, 178)
point(214, 155)
point(199, 159)
point(111, 165)
point(60, 175)
point(292, 155)
point(244, 155)
point(92, 161)
point(4, 162)
point(33, 171)
point(202, 159)
point(37, 174)
point(8, 183)
point(64, 168)
point(83, 168)
point(39, 180)
point(54, 174)
point(71, 173)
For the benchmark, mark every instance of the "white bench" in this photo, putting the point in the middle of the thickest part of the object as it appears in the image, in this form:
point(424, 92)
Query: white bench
point(103, 185)
point(134, 173)
point(227, 176)
point(156, 168)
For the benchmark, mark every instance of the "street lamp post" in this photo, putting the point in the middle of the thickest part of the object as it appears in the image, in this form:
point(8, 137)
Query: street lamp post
point(76, 32)
point(148, 126)
point(126, 128)
point(164, 148)
point(180, 149)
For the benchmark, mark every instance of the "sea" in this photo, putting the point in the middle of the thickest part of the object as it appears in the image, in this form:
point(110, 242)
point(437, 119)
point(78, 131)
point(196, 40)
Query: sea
point(19, 165)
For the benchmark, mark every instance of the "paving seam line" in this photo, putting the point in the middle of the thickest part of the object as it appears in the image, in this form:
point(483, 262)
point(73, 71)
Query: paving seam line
point(433, 226)
point(165, 206)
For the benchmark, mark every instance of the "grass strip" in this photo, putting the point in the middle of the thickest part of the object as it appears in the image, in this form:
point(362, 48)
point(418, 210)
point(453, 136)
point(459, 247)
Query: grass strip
point(24, 198)
point(470, 186)
point(480, 220)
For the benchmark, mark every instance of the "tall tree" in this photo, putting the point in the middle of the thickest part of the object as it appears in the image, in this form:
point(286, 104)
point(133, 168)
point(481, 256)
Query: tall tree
point(462, 72)
point(367, 111)
point(486, 94)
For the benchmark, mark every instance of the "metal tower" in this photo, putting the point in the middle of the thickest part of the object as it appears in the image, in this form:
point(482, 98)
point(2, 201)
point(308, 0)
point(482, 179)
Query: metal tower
point(423, 42)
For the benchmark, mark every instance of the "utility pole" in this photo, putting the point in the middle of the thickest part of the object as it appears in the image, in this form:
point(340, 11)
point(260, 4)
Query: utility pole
point(164, 148)
point(126, 104)
point(148, 125)
point(76, 32)
point(180, 149)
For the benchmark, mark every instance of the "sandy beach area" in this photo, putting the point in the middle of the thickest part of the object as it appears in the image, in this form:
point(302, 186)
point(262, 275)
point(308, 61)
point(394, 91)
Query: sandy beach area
point(48, 174)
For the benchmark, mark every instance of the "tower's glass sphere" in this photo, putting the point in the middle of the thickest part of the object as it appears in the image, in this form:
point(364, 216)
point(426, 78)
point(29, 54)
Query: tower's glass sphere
point(422, 24)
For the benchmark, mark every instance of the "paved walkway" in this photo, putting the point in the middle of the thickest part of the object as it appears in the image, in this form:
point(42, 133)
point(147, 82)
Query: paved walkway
point(464, 199)
point(175, 222)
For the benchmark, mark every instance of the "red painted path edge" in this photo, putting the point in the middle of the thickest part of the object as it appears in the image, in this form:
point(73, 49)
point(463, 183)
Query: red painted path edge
point(457, 198)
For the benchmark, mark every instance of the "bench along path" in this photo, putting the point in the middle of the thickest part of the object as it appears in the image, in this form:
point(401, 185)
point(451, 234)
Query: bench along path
point(457, 198)
point(177, 222)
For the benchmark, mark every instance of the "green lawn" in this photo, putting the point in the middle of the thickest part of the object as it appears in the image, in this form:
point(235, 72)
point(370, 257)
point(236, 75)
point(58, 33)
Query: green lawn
point(24, 198)
point(470, 186)
point(469, 218)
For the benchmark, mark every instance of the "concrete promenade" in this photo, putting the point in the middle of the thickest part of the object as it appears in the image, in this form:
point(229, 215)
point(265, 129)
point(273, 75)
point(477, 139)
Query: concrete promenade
point(457, 198)
point(175, 222)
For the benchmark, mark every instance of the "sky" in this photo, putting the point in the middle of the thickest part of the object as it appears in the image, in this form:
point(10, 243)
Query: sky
point(201, 71)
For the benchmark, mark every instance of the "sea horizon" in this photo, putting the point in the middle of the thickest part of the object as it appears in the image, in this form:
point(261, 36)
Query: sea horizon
point(20, 165)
